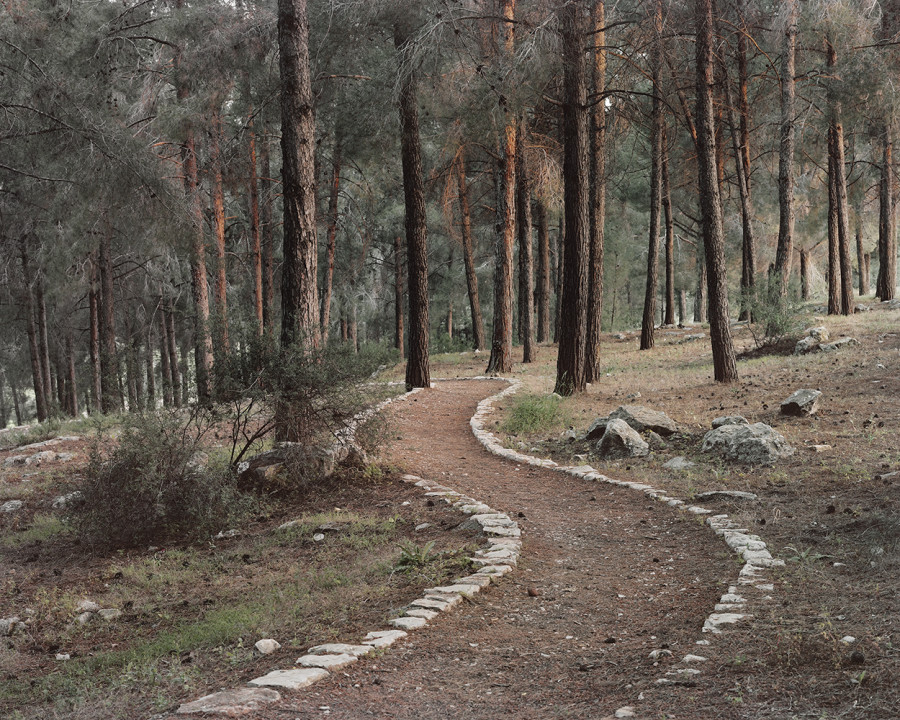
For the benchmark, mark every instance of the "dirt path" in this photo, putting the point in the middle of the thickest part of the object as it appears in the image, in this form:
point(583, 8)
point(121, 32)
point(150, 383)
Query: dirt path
point(605, 576)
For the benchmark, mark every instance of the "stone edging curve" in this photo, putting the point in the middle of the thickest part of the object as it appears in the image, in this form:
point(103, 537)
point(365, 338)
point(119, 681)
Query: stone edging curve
point(731, 608)
point(496, 560)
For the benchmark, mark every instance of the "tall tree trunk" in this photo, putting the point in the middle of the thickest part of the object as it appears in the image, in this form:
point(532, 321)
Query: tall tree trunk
point(94, 335)
point(165, 368)
point(332, 235)
point(682, 307)
point(267, 231)
point(560, 270)
point(543, 283)
point(657, 128)
point(861, 258)
point(700, 302)
point(724, 363)
point(4, 407)
point(804, 274)
point(887, 229)
point(741, 139)
point(418, 373)
point(526, 254)
point(836, 153)
point(109, 358)
point(43, 338)
point(505, 234)
point(669, 318)
point(598, 194)
point(785, 248)
point(571, 360)
point(834, 272)
point(177, 395)
point(398, 295)
point(40, 397)
point(71, 387)
point(478, 339)
point(255, 236)
point(17, 403)
point(299, 296)
point(130, 365)
point(218, 197)
point(151, 375)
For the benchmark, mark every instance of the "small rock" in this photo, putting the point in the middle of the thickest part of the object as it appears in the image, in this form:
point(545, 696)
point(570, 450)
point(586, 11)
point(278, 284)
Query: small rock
point(819, 333)
point(848, 639)
point(87, 606)
point(729, 420)
point(568, 435)
point(820, 448)
point(838, 344)
point(805, 345)
point(327, 662)
point(621, 441)
point(408, 623)
point(109, 614)
point(63, 656)
point(41, 457)
point(11, 506)
point(85, 618)
point(225, 534)
point(267, 646)
point(644, 419)
point(757, 444)
point(624, 712)
point(657, 654)
point(318, 537)
point(728, 494)
point(15, 460)
point(678, 463)
point(423, 526)
point(10, 625)
point(655, 440)
point(384, 638)
point(231, 702)
point(68, 500)
point(533, 592)
point(801, 403)
point(340, 649)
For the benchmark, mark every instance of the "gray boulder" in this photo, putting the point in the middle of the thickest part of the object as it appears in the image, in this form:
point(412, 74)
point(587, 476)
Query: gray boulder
point(757, 444)
point(724, 494)
point(801, 403)
point(643, 419)
point(805, 345)
point(838, 344)
point(819, 333)
point(11, 506)
point(729, 420)
point(621, 441)
point(597, 428)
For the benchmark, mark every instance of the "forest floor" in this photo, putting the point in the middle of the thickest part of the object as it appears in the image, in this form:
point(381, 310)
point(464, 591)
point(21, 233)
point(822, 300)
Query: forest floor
point(606, 575)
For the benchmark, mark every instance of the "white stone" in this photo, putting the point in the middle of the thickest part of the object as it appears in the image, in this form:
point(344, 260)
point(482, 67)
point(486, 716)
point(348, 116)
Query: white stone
point(683, 671)
point(420, 612)
point(429, 603)
point(267, 646)
point(109, 614)
point(693, 659)
point(327, 662)
point(408, 623)
point(480, 580)
point(340, 649)
point(87, 606)
point(63, 656)
point(383, 638)
point(848, 639)
point(318, 537)
point(496, 570)
point(293, 679)
point(11, 506)
point(714, 622)
point(455, 588)
point(624, 712)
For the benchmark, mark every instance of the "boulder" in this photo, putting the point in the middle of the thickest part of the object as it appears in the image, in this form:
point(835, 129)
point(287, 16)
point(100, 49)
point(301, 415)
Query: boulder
point(678, 463)
point(15, 460)
point(643, 419)
point(63, 502)
point(805, 345)
point(597, 428)
point(729, 420)
point(757, 444)
point(621, 441)
point(11, 506)
point(10, 625)
point(819, 333)
point(724, 494)
point(838, 344)
point(801, 403)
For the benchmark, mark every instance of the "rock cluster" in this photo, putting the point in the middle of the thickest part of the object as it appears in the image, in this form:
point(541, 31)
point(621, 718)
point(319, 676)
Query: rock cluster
point(756, 444)
point(816, 340)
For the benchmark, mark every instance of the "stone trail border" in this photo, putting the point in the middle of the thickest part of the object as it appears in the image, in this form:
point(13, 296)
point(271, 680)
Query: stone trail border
point(499, 558)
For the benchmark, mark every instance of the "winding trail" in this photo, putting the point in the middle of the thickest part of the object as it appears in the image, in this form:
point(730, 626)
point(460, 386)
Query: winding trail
point(606, 575)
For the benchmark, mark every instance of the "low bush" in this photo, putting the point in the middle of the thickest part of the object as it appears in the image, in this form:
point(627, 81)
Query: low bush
point(533, 414)
point(774, 317)
point(154, 486)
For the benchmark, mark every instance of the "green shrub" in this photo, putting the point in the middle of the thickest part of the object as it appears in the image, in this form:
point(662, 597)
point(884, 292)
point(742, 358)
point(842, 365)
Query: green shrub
point(534, 413)
point(774, 317)
point(153, 486)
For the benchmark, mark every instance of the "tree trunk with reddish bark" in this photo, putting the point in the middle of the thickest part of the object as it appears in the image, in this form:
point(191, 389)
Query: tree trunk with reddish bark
point(544, 275)
point(332, 236)
point(526, 254)
point(478, 338)
point(37, 377)
point(398, 295)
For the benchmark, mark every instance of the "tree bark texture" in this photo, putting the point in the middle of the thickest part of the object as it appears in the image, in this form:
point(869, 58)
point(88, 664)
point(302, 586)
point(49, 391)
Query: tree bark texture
point(724, 363)
point(478, 337)
point(505, 230)
point(43, 338)
point(598, 195)
point(834, 271)
point(148, 359)
point(887, 229)
point(109, 358)
point(165, 371)
point(526, 254)
point(418, 373)
point(299, 296)
point(543, 281)
point(255, 235)
point(218, 197)
point(333, 197)
point(785, 249)
point(398, 295)
point(669, 318)
point(40, 398)
point(804, 274)
point(177, 396)
point(267, 232)
point(657, 128)
point(743, 167)
point(861, 258)
point(571, 360)
point(94, 335)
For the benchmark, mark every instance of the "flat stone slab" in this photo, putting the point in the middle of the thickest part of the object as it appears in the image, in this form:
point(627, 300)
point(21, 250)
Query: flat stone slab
point(408, 623)
point(724, 494)
point(431, 604)
point(326, 662)
point(340, 649)
point(420, 612)
point(383, 638)
point(495, 570)
point(231, 702)
point(456, 588)
point(293, 679)
point(714, 622)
